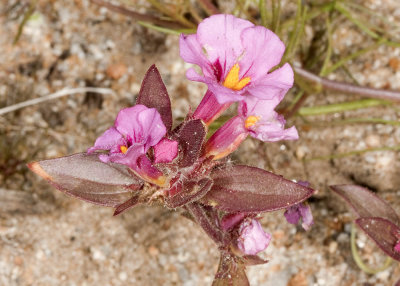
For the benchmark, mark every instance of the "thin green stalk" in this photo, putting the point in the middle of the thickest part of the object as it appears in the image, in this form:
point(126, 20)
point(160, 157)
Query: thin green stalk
point(341, 9)
point(353, 153)
point(208, 7)
point(292, 34)
point(372, 13)
point(297, 32)
point(296, 99)
point(25, 19)
point(328, 55)
point(137, 16)
point(352, 57)
point(352, 121)
point(263, 12)
point(179, 18)
point(166, 30)
point(358, 259)
point(340, 107)
point(276, 15)
point(310, 15)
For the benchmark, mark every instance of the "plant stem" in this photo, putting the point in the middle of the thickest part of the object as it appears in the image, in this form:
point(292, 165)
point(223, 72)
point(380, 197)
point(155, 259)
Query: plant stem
point(263, 12)
point(353, 121)
point(179, 18)
point(166, 30)
point(352, 153)
point(358, 259)
point(340, 107)
point(137, 16)
point(27, 15)
point(200, 216)
point(208, 7)
point(321, 83)
point(297, 105)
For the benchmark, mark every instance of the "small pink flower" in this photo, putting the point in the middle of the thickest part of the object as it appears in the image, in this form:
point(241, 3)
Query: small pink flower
point(252, 238)
point(135, 130)
point(300, 211)
point(262, 122)
point(256, 118)
point(235, 58)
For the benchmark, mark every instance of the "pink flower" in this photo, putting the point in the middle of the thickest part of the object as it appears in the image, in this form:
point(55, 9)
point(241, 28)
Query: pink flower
point(255, 117)
point(252, 238)
point(300, 211)
point(135, 130)
point(235, 58)
point(262, 122)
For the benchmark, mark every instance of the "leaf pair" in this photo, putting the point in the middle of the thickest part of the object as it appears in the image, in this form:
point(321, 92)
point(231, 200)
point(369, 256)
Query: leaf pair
point(374, 216)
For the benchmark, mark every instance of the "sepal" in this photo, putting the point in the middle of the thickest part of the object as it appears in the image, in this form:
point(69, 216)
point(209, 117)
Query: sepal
point(191, 136)
point(154, 94)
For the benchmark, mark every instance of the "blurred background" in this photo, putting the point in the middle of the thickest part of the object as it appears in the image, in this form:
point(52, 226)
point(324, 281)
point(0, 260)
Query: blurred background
point(104, 49)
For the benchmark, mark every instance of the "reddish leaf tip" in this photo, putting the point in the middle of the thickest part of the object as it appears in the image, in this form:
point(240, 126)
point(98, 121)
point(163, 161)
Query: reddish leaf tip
point(37, 169)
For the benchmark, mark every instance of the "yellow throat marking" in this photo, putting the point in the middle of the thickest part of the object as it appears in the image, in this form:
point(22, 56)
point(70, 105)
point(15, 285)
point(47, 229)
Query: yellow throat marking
point(251, 120)
point(232, 79)
point(123, 149)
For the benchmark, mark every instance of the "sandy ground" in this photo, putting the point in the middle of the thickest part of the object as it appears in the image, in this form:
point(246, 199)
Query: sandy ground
point(47, 238)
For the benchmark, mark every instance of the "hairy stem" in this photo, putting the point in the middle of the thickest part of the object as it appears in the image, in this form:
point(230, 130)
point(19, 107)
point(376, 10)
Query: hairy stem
point(200, 216)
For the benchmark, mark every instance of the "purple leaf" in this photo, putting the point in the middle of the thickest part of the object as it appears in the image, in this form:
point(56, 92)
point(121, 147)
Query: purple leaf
point(251, 190)
point(86, 177)
point(191, 136)
point(385, 233)
point(230, 273)
point(188, 192)
point(365, 203)
point(154, 94)
point(126, 205)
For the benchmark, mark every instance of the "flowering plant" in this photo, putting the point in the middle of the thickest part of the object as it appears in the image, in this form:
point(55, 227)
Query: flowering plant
point(143, 159)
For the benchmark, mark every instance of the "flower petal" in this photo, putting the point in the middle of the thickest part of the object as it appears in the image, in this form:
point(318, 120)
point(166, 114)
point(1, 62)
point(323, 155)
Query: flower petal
point(153, 128)
point(191, 50)
point(274, 84)
point(110, 138)
point(165, 151)
point(127, 123)
point(141, 125)
point(263, 51)
point(219, 35)
point(226, 139)
point(252, 237)
point(209, 108)
point(129, 158)
point(269, 125)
